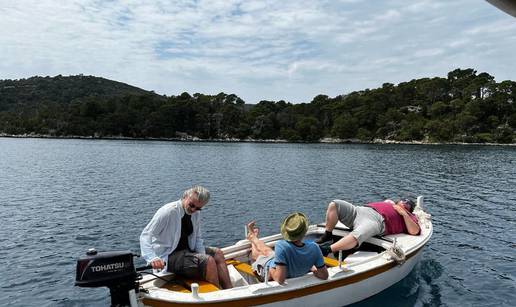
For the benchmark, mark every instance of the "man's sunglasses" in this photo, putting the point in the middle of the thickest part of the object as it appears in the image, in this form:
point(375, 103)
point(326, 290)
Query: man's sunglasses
point(194, 207)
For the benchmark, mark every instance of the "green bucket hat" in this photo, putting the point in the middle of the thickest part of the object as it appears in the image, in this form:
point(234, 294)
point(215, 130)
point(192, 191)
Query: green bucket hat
point(294, 227)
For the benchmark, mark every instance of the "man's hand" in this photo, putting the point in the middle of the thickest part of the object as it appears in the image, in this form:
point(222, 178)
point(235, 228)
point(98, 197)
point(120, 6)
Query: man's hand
point(412, 226)
point(400, 209)
point(321, 273)
point(157, 264)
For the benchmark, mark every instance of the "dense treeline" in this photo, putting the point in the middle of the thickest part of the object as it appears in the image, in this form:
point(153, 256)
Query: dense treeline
point(464, 107)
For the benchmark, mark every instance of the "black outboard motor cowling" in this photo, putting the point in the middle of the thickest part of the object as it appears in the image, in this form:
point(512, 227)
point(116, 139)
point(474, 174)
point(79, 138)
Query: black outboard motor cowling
point(101, 269)
point(114, 270)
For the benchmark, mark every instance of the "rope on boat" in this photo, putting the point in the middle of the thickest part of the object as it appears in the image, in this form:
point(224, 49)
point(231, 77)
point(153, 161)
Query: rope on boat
point(423, 217)
point(397, 254)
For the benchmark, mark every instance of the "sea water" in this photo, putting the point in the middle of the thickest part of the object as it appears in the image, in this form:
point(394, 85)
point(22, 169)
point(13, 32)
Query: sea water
point(60, 197)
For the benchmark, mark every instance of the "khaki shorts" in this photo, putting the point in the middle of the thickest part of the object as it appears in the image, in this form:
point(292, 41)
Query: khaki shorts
point(365, 222)
point(190, 264)
point(262, 264)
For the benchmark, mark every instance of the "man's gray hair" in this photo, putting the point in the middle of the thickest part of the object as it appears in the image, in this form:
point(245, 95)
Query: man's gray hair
point(198, 192)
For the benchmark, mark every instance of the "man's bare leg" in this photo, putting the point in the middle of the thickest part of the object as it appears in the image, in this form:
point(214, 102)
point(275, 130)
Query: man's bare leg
point(222, 269)
point(331, 216)
point(347, 242)
point(212, 274)
point(258, 247)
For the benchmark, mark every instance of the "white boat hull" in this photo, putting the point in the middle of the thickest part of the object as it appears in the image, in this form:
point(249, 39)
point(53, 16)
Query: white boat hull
point(354, 282)
point(355, 292)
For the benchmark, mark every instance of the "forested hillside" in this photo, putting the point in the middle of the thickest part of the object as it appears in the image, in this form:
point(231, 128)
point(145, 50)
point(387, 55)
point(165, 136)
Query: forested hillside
point(463, 107)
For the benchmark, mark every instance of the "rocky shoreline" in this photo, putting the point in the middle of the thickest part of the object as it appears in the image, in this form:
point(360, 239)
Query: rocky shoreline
point(188, 138)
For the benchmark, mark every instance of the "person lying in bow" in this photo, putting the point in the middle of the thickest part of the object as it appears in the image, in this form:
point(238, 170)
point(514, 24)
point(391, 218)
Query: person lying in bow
point(379, 218)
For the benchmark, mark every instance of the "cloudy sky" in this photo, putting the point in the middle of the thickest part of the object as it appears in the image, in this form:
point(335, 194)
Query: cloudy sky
point(289, 49)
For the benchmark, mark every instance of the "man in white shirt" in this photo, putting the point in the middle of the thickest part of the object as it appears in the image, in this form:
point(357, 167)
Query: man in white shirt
point(173, 236)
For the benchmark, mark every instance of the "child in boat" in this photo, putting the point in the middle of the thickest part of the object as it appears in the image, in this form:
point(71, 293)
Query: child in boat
point(292, 256)
point(380, 218)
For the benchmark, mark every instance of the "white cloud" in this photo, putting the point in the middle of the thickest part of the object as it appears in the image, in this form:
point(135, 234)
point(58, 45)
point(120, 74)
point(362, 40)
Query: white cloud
point(498, 26)
point(255, 49)
point(389, 15)
point(428, 52)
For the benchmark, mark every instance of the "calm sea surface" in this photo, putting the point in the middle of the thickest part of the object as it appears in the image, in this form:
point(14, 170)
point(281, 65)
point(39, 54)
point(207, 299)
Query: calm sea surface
point(60, 197)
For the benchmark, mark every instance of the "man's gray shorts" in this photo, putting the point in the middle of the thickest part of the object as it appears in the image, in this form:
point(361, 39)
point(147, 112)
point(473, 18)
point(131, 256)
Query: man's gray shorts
point(190, 264)
point(261, 264)
point(365, 222)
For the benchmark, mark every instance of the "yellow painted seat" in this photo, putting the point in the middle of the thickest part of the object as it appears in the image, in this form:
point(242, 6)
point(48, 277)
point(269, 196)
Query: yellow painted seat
point(247, 269)
point(204, 286)
point(330, 262)
point(175, 287)
point(183, 284)
point(241, 267)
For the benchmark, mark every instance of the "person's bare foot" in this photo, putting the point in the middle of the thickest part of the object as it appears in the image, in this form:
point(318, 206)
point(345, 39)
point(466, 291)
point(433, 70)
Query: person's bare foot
point(252, 231)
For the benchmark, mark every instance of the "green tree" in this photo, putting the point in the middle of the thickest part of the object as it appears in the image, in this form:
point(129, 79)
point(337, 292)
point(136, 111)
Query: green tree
point(345, 127)
point(308, 128)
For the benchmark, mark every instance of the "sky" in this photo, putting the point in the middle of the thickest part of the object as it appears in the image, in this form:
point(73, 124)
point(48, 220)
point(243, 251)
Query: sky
point(288, 50)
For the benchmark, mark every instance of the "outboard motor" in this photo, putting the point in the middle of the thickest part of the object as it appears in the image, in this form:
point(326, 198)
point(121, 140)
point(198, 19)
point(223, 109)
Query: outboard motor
point(114, 270)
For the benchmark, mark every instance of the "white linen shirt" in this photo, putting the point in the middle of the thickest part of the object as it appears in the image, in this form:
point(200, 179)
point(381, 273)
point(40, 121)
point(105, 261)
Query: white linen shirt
point(161, 236)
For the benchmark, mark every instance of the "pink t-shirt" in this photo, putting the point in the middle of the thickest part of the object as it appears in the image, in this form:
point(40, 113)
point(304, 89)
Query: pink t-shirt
point(393, 221)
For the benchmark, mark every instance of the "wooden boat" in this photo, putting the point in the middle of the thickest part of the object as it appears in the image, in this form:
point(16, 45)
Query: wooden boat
point(379, 263)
